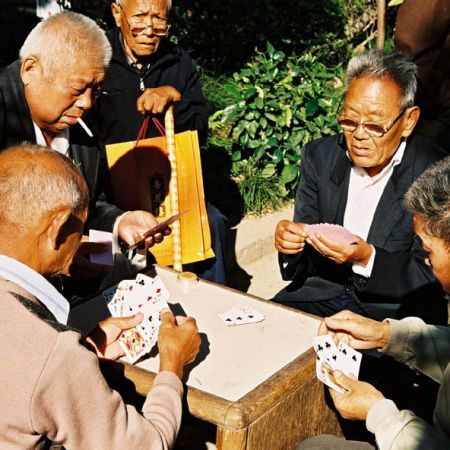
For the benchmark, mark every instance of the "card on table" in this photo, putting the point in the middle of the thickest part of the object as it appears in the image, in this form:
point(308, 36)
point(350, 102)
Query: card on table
point(331, 358)
point(240, 315)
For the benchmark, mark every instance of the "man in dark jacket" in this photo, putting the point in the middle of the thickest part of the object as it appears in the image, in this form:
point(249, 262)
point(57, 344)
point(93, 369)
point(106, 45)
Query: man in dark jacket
point(61, 68)
point(148, 73)
point(358, 180)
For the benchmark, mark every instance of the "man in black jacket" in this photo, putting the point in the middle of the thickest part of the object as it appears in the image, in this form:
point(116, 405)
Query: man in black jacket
point(148, 73)
point(358, 180)
point(61, 68)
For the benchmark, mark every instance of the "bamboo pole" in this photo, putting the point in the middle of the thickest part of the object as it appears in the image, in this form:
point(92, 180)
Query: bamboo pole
point(173, 189)
point(381, 26)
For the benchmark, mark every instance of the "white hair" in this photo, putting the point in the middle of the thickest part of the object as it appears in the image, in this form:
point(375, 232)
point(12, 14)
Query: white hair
point(30, 188)
point(62, 39)
point(122, 3)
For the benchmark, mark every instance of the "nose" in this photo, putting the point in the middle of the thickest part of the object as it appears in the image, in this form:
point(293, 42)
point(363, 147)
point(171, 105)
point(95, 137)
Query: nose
point(360, 132)
point(84, 100)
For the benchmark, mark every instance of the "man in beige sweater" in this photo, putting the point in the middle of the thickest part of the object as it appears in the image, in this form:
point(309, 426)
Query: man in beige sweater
point(51, 388)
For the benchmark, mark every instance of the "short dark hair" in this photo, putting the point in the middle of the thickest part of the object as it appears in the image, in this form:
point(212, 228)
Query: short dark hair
point(429, 198)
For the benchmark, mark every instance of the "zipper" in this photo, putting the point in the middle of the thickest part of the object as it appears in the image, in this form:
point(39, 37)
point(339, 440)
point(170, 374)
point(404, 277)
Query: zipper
point(141, 84)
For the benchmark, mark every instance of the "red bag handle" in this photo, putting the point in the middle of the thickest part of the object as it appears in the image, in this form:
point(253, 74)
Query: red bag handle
point(143, 131)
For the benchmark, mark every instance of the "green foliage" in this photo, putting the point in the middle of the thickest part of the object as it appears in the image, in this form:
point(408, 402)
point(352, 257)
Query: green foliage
point(279, 103)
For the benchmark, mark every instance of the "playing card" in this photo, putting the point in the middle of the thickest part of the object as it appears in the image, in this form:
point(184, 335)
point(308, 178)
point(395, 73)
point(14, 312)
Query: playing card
point(349, 360)
point(333, 232)
point(152, 291)
point(105, 257)
point(134, 344)
point(325, 373)
point(240, 315)
point(324, 346)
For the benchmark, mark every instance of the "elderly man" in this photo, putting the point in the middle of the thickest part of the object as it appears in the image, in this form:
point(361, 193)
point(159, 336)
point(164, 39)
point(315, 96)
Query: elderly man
point(147, 73)
point(44, 206)
point(410, 341)
point(58, 78)
point(358, 180)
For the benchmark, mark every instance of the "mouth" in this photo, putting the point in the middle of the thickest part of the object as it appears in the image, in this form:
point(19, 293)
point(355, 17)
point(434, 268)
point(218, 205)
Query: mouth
point(361, 151)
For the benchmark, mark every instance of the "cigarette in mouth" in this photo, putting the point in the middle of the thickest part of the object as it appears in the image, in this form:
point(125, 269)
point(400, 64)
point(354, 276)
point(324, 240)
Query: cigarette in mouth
point(85, 127)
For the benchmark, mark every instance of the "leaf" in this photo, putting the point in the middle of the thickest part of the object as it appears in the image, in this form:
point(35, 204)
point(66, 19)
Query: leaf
point(236, 156)
point(289, 173)
point(268, 171)
point(395, 2)
point(270, 49)
point(311, 107)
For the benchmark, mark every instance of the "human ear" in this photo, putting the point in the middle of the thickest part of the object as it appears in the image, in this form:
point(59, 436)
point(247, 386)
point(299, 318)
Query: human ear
point(59, 227)
point(115, 10)
point(412, 116)
point(28, 69)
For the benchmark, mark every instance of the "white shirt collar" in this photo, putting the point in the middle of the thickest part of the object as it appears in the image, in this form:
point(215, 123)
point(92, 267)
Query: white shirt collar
point(36, 284)
point(60, 142)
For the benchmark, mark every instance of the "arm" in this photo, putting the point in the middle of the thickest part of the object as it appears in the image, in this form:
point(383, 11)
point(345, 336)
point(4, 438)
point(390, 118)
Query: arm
point(73, 404)
point(306, 211)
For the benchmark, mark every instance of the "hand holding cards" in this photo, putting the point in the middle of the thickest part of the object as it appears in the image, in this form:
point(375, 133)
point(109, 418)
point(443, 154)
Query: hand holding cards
point(146, 295)
point(331, 358)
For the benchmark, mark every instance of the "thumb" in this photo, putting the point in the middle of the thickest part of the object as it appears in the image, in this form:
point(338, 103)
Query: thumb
point(344, 381)
point(124, 323)
point(167, 317)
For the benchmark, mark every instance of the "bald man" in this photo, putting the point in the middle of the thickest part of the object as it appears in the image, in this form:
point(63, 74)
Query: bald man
point(51, 388)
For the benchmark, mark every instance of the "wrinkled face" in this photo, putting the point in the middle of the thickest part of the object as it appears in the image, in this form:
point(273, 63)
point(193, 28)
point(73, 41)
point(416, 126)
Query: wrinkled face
point(58, 99)
point(374, 100)
point(133, 11)
point(438, 253)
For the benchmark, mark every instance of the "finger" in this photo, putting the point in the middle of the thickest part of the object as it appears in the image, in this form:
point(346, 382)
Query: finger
point(344, 381)
point(167, 231)
point(322, 248)
point(125, 323)
point(323, 329)
point(332, 245)
point(167, 318)
point(158, 238)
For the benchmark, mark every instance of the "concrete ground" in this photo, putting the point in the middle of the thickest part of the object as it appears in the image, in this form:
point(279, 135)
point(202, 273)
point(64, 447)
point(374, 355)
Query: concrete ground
point(255, 265)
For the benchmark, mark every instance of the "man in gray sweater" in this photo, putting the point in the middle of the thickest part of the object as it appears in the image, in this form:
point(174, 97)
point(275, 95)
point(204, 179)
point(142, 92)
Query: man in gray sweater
point(423, 347)
point(51, 387)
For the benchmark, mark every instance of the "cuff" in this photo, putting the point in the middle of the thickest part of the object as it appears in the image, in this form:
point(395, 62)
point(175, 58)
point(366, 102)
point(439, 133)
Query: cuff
point(171, 379)
point(365, 270)
point(379, 411)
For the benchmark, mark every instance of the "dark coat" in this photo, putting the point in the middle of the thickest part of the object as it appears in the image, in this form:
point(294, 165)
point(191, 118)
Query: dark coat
point(115, 116)
point(399, 273)
point(16, 126)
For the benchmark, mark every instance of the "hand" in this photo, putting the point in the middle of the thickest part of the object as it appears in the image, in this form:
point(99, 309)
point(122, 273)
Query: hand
point(341, 253)
point(156, 100)
point(357, 331)
point(359, 397)
point(134, 224)
point(178, 342)
point(81, 266)
point(290, 237)
point(104, 337)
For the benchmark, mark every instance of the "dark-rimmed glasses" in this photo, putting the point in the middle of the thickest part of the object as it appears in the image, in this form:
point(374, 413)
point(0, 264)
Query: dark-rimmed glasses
point(159, 27)
point(372, 128)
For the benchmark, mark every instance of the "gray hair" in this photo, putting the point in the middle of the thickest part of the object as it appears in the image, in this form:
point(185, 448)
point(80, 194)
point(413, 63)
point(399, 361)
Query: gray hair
point(398, 67)
point(122, 3)
point(31, 187)
point(64, 38)
point(429, 198)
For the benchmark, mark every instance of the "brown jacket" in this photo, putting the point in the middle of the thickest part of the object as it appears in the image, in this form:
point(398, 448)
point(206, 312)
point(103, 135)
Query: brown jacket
point(51, 388)
point(423, 31)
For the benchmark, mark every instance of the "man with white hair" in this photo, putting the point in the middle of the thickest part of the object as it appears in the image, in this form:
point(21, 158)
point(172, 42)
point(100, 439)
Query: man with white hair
point(147, 74)
point(49, 90)
point(51, 386)
point(358, 179)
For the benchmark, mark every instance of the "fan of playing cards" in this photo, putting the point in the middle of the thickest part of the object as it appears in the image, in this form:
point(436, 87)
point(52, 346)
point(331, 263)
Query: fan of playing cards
point(146, 295)
point(333, 232)
point(331, 358)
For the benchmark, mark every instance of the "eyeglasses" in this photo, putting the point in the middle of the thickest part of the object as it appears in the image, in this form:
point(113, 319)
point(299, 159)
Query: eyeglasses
point(159, 27)
point(372, 128)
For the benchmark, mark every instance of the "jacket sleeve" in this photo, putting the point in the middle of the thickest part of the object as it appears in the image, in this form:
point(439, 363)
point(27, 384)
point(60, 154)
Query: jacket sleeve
point(191, 113)
point(402, 430)
point(397, 274)
point(306, 211)
point(73, 405)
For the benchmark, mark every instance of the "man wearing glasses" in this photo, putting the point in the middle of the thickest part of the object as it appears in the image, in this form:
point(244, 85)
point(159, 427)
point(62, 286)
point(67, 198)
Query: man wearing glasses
point(358, 179)
point(147, 74)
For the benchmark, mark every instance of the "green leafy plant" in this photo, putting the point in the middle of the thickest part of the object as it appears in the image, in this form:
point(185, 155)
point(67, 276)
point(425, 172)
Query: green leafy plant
point(279, 104)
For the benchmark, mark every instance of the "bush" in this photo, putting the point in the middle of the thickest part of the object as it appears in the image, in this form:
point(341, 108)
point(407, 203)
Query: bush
point(279, 103)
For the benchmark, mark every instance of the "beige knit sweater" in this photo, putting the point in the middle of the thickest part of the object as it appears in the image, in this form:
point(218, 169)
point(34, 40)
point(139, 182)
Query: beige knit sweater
point(51, 387)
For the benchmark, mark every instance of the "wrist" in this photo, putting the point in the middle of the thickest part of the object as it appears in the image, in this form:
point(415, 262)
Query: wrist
point(171, 365)
point(385, 332)
point(366, 253)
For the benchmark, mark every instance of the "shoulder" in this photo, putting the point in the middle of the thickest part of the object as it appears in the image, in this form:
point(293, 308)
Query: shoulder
point(424, 151)
point(324, 149)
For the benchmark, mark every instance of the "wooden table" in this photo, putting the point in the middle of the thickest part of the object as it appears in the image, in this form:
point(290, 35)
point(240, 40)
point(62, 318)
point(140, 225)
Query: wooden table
point(255, 382)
